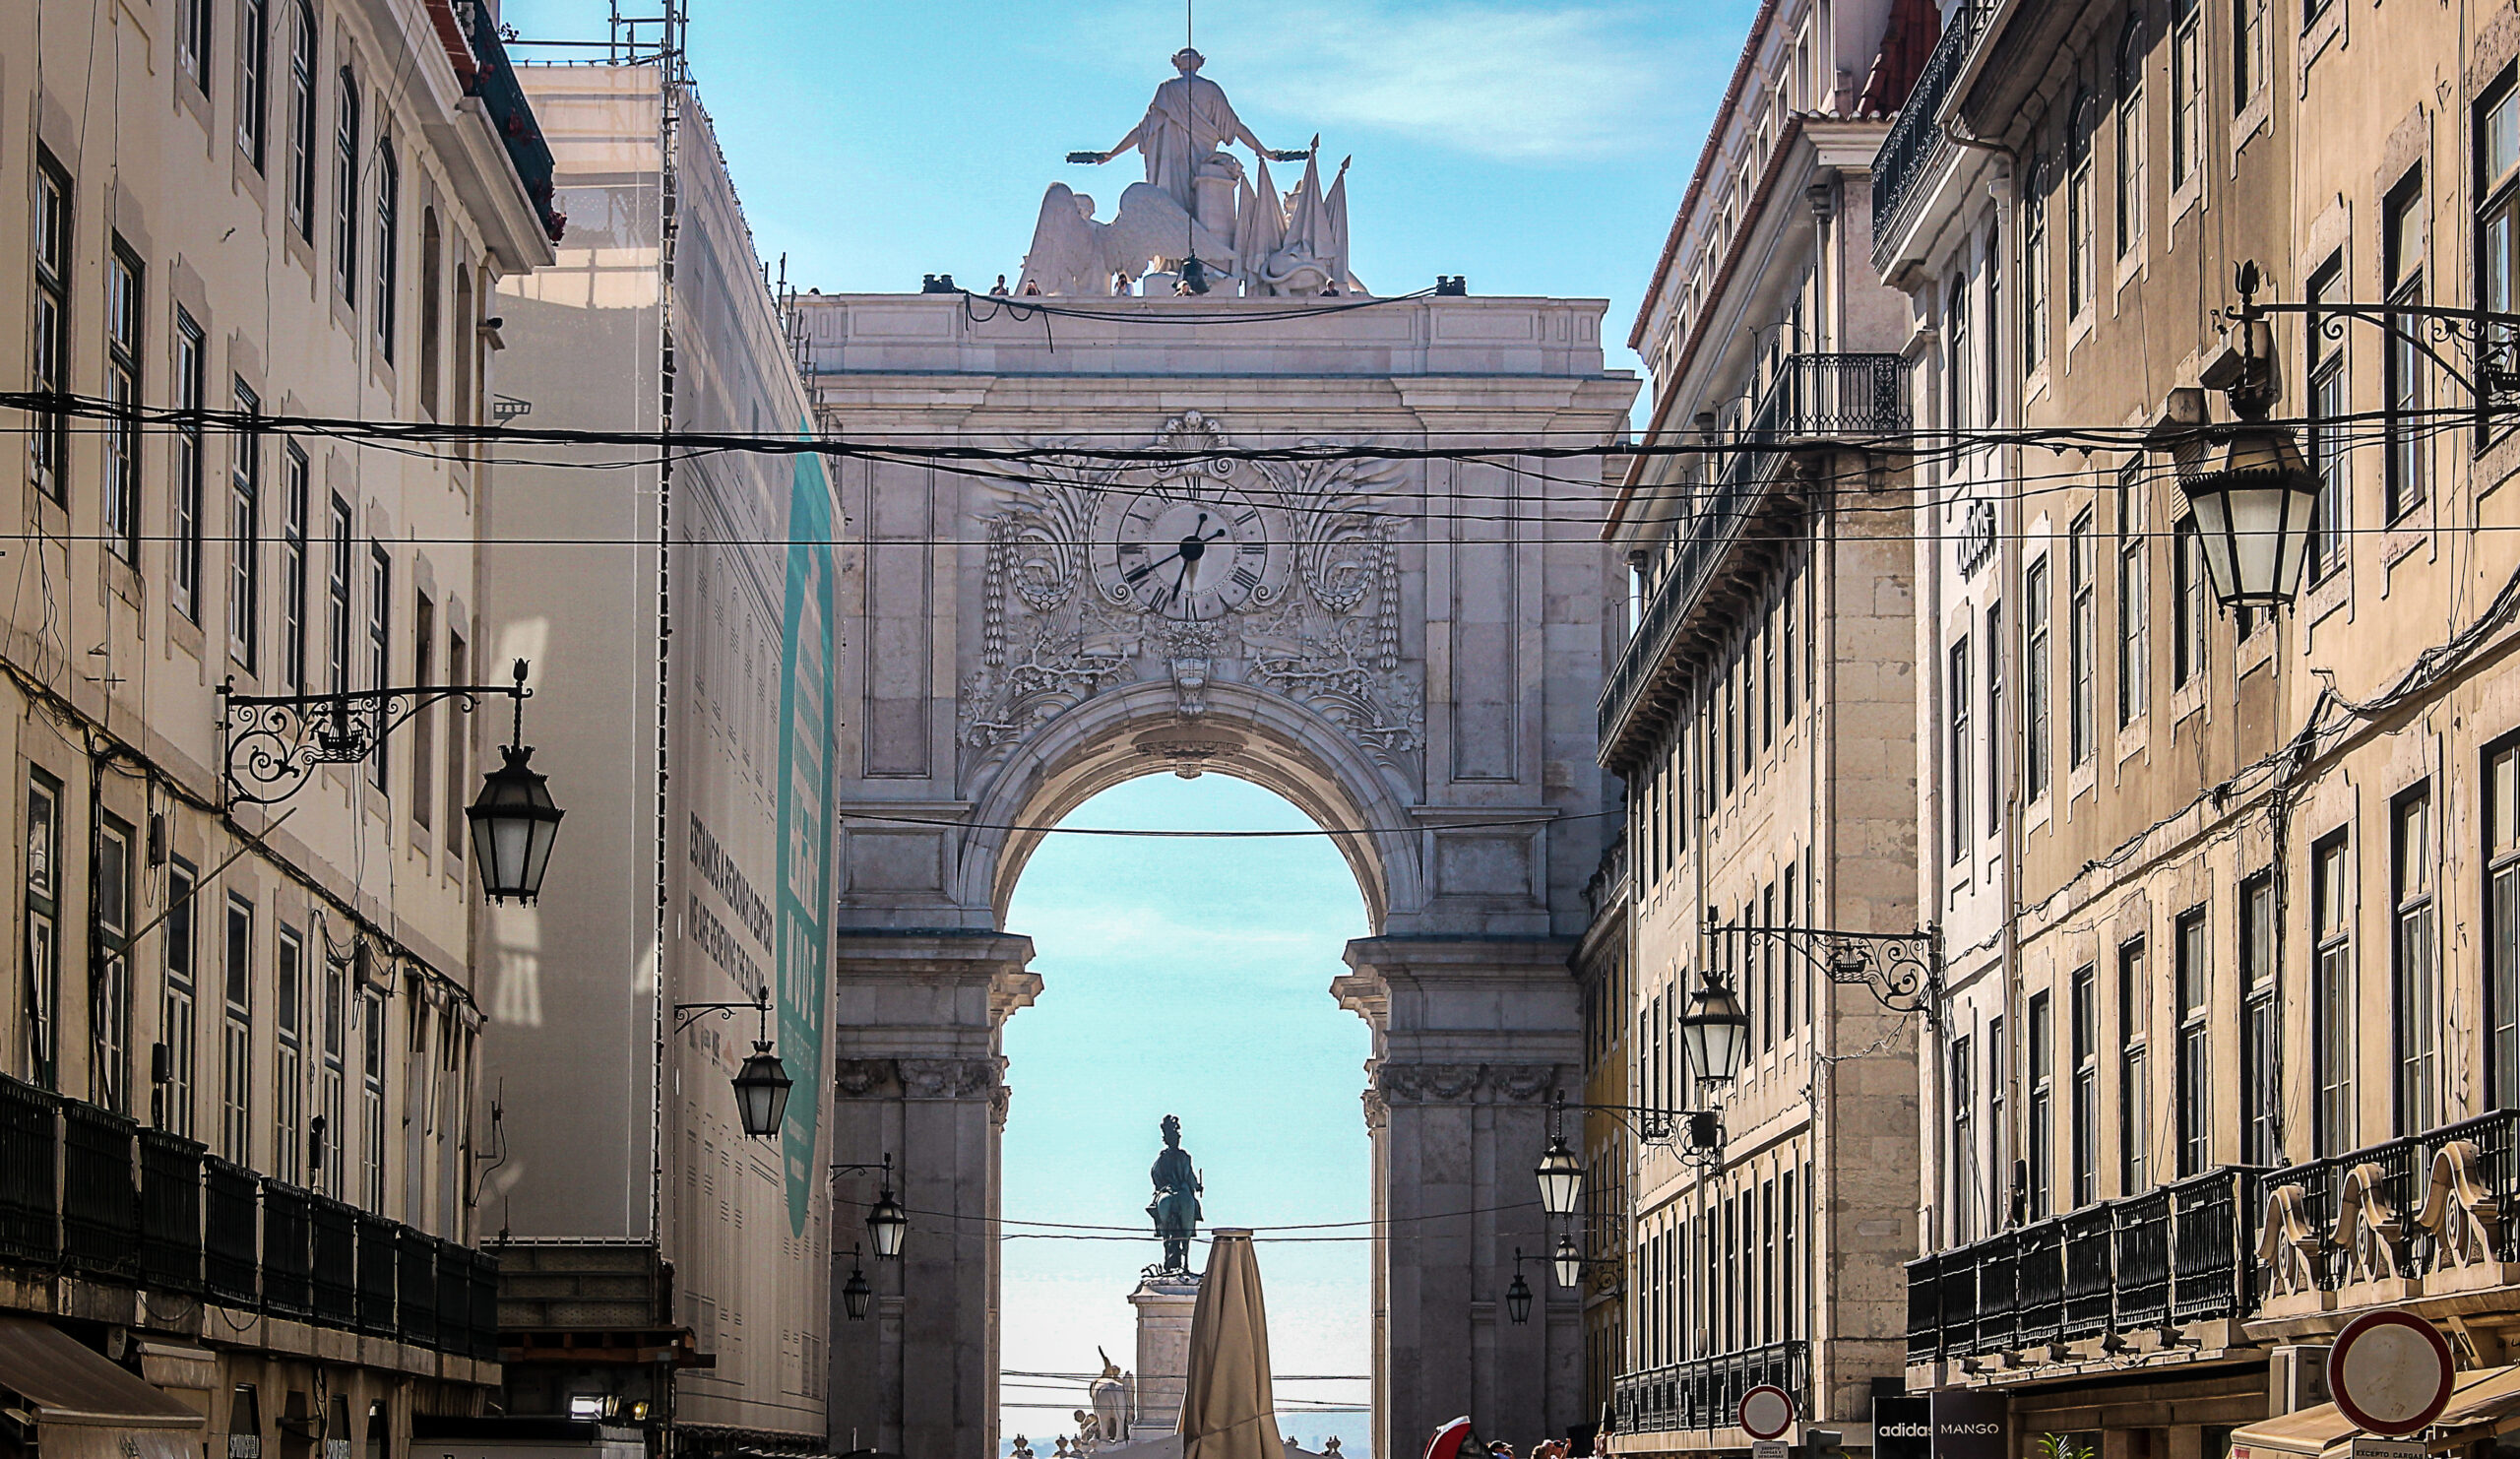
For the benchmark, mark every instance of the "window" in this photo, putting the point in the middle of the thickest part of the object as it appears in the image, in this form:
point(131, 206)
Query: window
point(292, 570)
point(1991, 337)
point(236, 1044)
point(431, 313)
point(2331, 402)
point(389, 206)
point(2192, 982)
point(125, 303)
point(424, 720)
point(1792, 965)
point(2261, 1094)
point(176, 1016)
point(191, 42)
point(42, 992)
point(2086, 1036)
point(2332, 990)
point(2189, 603)
point(2135, 611)
point(190, 392)
point(1789, 1325)
point(1998, 1102)
point(337, 596)
point(2251, 65)
point(2402, 267)
point(380, 625)
point(325, 1145)
point(1995, 727)
point(1785, 661)
point(288, 1061)
point(1958, 396)
point(2035, 324)
point(2503, 926)
point(371, 1094)
point(301, 120)
point(1962, 1161)
point(345, 188)
point(2080, 565)
point(48, 368)
point(245, 537)
point(2081, 281)
point(2497, 184)
point(2186, 91)
point(253, 82)
point(109, 996)
point(2415, 970)
point(2130, 135)
point(2035, 744)
point(1957, 695)
point(2042, 1152)
point(2136, 1095)
point(1768, 1004)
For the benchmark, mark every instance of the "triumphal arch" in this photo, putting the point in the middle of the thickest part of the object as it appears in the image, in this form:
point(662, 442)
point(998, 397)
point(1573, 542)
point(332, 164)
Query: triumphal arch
point(1407, 647)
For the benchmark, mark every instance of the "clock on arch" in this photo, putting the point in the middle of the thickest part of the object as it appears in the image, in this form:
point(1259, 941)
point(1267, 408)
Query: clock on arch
point(1191, 547)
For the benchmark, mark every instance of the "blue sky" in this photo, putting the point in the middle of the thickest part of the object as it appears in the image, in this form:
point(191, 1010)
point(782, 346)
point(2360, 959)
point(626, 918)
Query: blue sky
point(1535, 146)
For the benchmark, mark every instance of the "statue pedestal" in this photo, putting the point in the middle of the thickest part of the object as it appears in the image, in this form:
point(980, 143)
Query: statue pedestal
point(1165, 1304)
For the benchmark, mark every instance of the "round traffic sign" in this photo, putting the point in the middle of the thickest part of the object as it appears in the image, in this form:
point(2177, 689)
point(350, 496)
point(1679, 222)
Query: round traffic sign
point(1766, 1412)
point(2390, 1372)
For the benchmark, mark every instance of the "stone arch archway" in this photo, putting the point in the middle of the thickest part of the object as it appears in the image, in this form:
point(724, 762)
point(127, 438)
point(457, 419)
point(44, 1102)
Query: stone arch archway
point(1410, 655)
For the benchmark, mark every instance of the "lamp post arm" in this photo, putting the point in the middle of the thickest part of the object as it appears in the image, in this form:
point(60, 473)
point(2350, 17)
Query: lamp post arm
point(271, 742)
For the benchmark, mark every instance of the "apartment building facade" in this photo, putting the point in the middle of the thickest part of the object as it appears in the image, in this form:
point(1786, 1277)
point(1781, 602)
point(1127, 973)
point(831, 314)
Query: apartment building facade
point(2220, 1060)
point(1762, 714)
point(239, 1105)
point(664, 1271)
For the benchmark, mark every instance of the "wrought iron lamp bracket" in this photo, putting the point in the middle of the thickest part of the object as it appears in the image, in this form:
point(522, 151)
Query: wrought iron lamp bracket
point(1903, 968)
point(271, 742)
point(2478, 349)
point(687, 1014)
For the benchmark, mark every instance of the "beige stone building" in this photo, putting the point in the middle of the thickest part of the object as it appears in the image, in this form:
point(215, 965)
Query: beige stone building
point(2230, 985)
point(1762, 712)
point(664, 1270)
point(239, 1100)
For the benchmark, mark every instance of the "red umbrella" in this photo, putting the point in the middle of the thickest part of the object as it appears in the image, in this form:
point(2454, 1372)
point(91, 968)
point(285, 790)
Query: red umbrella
point(1453, 1440)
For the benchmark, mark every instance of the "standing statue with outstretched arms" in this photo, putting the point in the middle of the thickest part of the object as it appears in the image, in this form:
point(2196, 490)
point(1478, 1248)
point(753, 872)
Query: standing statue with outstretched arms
point(1186, 122)
point(1175, 1207)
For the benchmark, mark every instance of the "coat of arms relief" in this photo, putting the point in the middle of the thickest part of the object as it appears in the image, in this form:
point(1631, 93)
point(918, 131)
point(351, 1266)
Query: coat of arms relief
point(1202, 570)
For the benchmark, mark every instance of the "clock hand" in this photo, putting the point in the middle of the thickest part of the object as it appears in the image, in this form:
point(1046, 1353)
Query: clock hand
point(1140, 571)
point(1181, 577)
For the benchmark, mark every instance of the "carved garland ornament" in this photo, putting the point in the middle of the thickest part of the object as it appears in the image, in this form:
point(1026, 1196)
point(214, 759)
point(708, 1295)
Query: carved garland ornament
point(1193, 572)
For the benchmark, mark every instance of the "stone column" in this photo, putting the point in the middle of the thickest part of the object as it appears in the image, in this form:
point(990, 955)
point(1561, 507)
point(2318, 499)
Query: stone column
point(919, 1076)
point(1471, 1034)
point(1165, 1306)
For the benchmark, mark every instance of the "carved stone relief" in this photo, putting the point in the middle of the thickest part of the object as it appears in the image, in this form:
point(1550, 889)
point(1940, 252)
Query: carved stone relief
point(1089, 583)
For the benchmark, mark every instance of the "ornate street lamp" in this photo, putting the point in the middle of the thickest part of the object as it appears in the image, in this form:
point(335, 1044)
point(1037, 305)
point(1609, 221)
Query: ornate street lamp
point(1715, 1031)
point(1518, 1295)
point(1561, 1177)
point(886, 1222)
point(514, 821)
point(2253, 495)
point(762, 1082)
point(1568, 1261)
point(856, 1293)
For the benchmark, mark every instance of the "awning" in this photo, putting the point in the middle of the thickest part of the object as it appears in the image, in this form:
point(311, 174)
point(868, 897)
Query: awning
point(2483, 1402)
point(86, 1408)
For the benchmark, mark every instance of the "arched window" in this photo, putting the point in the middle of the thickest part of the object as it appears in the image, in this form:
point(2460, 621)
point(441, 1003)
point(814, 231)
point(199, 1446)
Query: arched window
point(2130, 137)
point(302, 154)
point(2186, 90)
point(345, 188)
point(2036, 288)
point(389, 201)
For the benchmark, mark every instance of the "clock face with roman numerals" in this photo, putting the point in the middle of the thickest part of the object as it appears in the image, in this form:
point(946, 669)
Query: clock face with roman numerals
point(1193, 549)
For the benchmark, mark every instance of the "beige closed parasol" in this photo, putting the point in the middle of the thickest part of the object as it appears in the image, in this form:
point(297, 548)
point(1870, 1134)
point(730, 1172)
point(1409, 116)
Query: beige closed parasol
point(1227, 1411)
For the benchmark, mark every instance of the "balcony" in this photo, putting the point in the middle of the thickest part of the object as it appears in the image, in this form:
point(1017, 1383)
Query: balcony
point(2398, 1219)
point(1814, 397)
point(88, 1192)
point(1915, 141)
point(1706, 1392)
point(2181, 1253)
point(492, 78)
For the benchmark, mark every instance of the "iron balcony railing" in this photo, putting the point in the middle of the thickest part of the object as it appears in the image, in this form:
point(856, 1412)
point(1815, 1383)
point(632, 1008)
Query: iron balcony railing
point(1706, 1392)
point(2184, 1252)
point(88, 1191)
point(1916, 139)
point(2405, 1167)
point(1815, 397)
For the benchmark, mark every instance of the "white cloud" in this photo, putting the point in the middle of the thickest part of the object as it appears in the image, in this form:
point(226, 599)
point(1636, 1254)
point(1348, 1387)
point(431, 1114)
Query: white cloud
point(1510, 81)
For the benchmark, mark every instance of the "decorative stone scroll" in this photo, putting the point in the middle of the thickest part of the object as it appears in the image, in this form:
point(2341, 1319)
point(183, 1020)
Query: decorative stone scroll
point(2459, 1212)
point(1294, 592)
point(2288, 1245)
point(2370, 1226)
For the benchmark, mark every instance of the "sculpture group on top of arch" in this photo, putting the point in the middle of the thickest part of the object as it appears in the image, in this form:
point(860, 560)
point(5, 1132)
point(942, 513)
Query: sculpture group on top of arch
point(1197, 202)
point(1282, 578)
